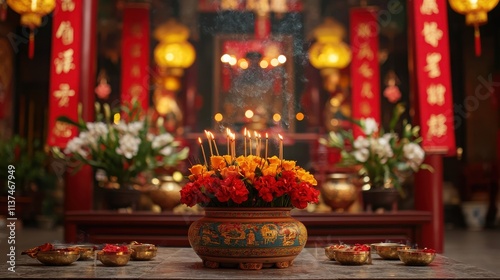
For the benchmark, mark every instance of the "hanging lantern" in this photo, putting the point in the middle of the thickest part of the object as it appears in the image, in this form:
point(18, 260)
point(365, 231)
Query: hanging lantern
point(329, 51)
point(31, 12)
point(174, 51)
point(476, 14)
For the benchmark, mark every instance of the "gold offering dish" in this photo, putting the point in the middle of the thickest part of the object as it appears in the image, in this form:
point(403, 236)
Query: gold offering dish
point(350, 257)
point(58, 257)
point(114, 259)
point(86, 252)
point(330, 250)
point(143, 252)
point(416, 256)
point(389, 251)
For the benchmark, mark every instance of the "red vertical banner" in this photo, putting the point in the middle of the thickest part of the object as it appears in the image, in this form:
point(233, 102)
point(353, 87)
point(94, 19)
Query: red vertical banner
point(365, 72)
point(65, 70)
point(432, 71)
point(135, 54)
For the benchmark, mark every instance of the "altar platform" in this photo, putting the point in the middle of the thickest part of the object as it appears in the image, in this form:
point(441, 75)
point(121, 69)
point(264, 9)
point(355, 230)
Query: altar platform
point(183, 263)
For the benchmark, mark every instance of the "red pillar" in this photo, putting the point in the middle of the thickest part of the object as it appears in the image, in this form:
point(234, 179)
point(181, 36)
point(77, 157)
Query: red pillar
point(79, 186)
point(428, 195)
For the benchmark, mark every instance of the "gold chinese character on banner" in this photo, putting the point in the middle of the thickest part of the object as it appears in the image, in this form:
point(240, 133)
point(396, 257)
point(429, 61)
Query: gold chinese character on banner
point(366, 90)
point(364, 31)
point(432, 34)
point(61, 129)
point(435, 94)
point(135, 50)
point(365, 70)
point(135, 71)
point(64, 61)
point(63, 94)
point(437, 126)
point(136, 30)
point(65, 32)
point(67, 5)
point(365, 109)
point(432, 66)
point(135, 90)
point(429, 7)
point(365, 51)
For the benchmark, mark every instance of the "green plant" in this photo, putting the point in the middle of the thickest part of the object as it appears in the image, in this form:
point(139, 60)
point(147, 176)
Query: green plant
point(384, 157)
point(31, 165)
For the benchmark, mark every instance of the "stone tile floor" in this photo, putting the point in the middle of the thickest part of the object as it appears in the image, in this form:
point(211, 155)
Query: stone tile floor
point(478, 248)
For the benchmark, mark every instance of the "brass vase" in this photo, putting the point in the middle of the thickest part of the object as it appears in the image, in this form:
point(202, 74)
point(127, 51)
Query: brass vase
point(339, 191)
point(167, 195)
point(251, 238)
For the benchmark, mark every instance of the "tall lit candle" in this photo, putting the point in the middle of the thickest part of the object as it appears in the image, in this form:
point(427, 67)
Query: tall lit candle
point(245, 141)
point(203, 151)
point(250, 141)
point(233, 148)
point(281, 146)
point(215, 143)
point(256, 135)
point(227, 140)
point(207, 134)
point(267, 141)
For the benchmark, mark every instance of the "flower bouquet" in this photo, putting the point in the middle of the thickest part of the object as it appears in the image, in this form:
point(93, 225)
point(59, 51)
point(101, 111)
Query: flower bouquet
point(249, 181)
point(247, 201)
point(124, 148)
point(384, 157)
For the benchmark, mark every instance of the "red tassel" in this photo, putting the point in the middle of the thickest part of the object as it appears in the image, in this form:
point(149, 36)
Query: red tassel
point(477, 40)
point(3, 13)
point(31, 49)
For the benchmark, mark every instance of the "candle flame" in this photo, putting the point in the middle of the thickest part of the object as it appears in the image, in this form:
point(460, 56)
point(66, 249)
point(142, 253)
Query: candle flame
point(199, 139)
point(281, 137)
point(267, 136)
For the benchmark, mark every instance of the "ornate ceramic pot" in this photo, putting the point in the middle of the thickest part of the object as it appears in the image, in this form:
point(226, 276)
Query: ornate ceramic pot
point(380, 198)
point(167, 195)
point(339, 191)
point(251, 238)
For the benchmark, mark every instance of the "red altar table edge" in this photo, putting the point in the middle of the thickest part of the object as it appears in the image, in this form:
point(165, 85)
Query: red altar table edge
point(170, 229)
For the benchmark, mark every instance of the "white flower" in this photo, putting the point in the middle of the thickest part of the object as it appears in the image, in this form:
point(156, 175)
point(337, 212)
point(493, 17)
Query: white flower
point(361, 155)
point(129, 146)
point(166, 151)
point(97, 129)
point(162, 140)
point(76, 146)
point(135, 127)
point(382, 149)
point(369, 126)
point(361, 142)
point(414, 154)
point(122, 127)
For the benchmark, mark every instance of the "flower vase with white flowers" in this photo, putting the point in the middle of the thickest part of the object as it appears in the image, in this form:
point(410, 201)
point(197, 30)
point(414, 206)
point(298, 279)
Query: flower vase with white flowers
point(123, 149)
point(384, 157)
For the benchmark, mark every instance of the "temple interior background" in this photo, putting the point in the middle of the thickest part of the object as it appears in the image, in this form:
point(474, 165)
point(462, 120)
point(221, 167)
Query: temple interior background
point(211, 95)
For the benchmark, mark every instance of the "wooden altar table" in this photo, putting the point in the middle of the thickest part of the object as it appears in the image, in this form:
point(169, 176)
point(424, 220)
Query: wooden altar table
point(169, 229)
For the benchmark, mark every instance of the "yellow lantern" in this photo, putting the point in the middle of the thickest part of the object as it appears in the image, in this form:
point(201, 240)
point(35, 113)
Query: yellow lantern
point(476, 14)
point(31, 12)
point(329, 51)
point(173, 51)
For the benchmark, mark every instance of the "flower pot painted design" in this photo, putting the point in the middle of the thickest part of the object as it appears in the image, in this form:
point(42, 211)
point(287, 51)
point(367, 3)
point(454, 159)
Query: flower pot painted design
point(251, 238)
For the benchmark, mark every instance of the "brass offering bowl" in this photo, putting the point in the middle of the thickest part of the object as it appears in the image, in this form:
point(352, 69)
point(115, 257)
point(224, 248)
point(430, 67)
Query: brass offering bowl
point(389, 251)
point(143, 252)
point(114, 259)
point(86, 252)
point(58, 257)
point(330, 250)
point(416, 256)
point(350, 257)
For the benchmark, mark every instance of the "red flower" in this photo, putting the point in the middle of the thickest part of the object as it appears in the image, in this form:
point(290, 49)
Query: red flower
point(237, 189)
point(265, 186)
point(191, 194)
point(302, 194)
